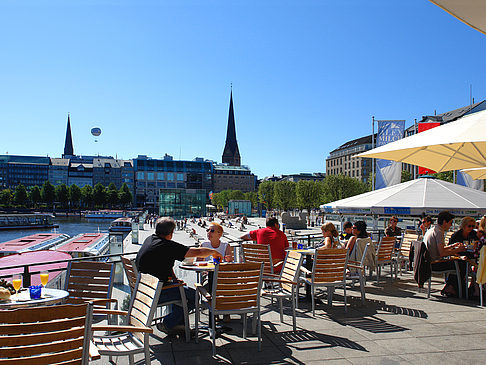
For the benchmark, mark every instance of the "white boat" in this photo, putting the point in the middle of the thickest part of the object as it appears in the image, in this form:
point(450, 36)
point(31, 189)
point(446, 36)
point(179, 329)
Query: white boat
point(121, 225)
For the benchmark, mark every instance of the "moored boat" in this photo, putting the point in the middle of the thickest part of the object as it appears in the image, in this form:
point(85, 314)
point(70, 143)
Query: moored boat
point(26, 221)
point(121, 225)
point(86, 244)
point(39, 241)
point(105, 214)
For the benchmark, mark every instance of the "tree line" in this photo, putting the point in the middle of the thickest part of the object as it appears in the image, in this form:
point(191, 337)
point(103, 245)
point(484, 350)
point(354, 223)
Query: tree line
point(304, 194)
point(67, 197)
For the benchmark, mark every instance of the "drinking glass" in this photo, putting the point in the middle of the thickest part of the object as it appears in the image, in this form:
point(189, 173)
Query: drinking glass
point(44, 277)
point(17, 283)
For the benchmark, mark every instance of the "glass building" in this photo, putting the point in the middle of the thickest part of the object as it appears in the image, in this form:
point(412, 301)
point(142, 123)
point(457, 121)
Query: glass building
point(180, 203)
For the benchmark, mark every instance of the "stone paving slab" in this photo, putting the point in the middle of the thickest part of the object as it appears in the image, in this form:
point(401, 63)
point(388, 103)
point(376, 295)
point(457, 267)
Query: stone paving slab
point(396, 325)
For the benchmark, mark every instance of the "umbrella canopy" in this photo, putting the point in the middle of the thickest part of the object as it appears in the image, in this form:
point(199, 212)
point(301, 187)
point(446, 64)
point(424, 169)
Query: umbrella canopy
point(424, 195)
point(471, 12)
point(453, 146)
point(477, 173)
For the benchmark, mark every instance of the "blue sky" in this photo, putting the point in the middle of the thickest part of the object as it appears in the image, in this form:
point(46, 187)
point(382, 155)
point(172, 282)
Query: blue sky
point(155, 75)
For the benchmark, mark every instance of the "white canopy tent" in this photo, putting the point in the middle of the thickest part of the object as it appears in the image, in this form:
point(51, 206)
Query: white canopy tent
point(412, 198)
point(470, 12)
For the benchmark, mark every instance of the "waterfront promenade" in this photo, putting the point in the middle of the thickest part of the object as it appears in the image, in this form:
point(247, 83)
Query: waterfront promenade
point(396, 325)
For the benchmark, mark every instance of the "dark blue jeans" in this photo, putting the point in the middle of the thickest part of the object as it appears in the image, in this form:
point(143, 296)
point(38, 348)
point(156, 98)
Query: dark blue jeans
point(176, 316)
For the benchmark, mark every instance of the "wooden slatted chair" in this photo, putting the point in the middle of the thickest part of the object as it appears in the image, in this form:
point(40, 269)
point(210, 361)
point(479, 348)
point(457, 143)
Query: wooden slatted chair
point(384, 256)
point(287, 283)
point(328, 270)
point(254, 252)
point(236, 290)
point(46, 335)
point(132, 273)
point(134, 337)
point(403, 253)
point(357, 273)
point(90, 281)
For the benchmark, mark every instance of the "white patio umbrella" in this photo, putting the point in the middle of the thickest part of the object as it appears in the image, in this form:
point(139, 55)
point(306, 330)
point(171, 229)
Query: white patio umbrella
point(470, 12)
point(453, 146)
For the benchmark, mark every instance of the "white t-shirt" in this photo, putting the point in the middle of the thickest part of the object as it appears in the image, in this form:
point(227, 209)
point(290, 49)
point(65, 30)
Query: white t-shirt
point(221, 249)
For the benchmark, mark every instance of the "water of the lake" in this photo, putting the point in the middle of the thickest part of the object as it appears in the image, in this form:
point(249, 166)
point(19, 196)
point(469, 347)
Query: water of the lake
point(69, 225)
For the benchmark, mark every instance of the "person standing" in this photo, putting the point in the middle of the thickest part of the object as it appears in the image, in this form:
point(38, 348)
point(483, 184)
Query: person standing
point(273, 236)
point(157, 257)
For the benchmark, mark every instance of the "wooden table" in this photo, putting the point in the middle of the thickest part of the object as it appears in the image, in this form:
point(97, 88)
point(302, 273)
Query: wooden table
point(49, 297)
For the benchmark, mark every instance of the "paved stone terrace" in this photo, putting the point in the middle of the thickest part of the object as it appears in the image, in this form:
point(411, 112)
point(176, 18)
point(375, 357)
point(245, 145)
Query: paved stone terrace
point(397, 325)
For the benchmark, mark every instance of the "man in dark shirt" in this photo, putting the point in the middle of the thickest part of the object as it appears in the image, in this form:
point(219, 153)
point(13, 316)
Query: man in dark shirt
point(157, 257)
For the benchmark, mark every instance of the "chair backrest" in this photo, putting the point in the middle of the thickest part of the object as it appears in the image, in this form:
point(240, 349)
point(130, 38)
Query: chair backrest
point(330, 265)
point(406, 245)
point(46, 335)
point(130, 271)
point(385, 249)
point(237, 287)
point(144, 302)
point(290, 270)
point(88, 280)
point(254, 252)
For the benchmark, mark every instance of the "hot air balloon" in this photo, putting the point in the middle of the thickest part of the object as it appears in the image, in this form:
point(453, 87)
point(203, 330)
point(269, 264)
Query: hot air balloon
point(96, 132)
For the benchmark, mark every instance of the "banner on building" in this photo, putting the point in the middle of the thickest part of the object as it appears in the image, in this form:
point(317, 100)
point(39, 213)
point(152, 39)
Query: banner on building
point(388, 172)
point(424, 127)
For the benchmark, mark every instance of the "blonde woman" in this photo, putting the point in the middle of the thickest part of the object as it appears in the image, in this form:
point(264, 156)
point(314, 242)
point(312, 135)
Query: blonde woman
point(215, 232)
point(330, 234)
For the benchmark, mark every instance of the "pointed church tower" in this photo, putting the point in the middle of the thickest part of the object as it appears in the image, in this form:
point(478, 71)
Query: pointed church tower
point(231, 153)
point(68, 144)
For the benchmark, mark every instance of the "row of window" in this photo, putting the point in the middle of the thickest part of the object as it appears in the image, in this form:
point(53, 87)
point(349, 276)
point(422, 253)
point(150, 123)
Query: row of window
point(158, 176)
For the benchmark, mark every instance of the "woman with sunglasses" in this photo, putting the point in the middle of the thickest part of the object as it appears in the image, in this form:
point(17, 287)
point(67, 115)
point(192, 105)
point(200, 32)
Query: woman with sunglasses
point(215, 232)
point(466, 234)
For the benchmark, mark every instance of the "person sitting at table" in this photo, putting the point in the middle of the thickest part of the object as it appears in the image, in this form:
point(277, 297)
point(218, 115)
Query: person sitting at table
point(434, 241)
point(425, 225)
point(393, 230)
point(157, 257)
point(347, 231)
point(329, 233)
point(356, 245)
point(273, 236)
point(215, 232)
point(465, 234)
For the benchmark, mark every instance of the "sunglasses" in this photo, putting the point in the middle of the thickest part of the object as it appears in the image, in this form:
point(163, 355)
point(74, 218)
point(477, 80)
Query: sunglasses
point(354, 228)
point(210, 230)
point(471, 225)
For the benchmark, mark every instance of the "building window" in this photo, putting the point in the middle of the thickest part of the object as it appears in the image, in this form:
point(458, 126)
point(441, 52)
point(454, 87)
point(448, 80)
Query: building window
point(170, 177)
point(180, 177)
point(160, 176)
point(140, 175)
point(150, 176)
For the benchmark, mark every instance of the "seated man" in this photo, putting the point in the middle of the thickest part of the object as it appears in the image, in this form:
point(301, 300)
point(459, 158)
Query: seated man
point(347, 231)
point(273, 236)
point(157, 257)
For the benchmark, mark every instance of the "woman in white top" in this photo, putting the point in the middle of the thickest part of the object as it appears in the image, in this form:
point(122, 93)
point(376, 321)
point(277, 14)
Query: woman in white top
point(215, 232)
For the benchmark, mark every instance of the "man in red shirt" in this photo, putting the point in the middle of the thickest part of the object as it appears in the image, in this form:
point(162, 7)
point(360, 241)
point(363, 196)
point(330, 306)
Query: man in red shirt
point(273, 236)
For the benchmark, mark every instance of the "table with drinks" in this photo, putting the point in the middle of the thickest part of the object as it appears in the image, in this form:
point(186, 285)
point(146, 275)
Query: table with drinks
point(34, 295)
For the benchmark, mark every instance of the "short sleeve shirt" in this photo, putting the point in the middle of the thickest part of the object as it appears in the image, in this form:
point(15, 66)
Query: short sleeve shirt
point(157, 257)
point(432, 239)
point(390, 232)
point(275, 238)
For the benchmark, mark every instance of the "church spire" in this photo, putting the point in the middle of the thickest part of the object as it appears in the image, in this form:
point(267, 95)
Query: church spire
point(68, 144)
point(231, 153)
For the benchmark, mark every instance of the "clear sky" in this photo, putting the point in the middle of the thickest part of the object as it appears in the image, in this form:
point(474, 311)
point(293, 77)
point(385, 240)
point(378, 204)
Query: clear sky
point(155, 75)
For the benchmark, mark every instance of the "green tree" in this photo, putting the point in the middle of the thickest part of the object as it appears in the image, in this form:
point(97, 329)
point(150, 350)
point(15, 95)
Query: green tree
point(74, 195)
point(236, 195)
point(284, 194)
point(62, 195)
point(125, 196)
point(20, 195)
point(336, 187)
point(6, 197)
point(308, 194)
point(222, 198)
point(99, 195)
point(406, 176)
point(445, 175)
point(87, 195)
point(253, 197)
point(35, 195)
point(48, 193)
point(112, 195)
point(265, 194)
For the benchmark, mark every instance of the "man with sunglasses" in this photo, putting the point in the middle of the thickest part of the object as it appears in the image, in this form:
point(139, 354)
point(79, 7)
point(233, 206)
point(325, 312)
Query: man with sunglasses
point(157, 257)
point(393, 230)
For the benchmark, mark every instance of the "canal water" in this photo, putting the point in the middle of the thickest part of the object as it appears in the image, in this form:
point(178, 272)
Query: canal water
point(69, 225)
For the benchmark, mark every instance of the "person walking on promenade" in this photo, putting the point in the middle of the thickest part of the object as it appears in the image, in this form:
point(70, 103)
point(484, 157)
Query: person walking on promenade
point(157, 257)
point(273, 236)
